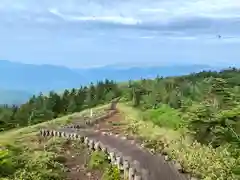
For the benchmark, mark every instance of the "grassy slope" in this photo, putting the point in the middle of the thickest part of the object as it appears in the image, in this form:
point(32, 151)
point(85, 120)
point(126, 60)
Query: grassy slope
point(203, 161)
point(24, 155)
point(12, 135)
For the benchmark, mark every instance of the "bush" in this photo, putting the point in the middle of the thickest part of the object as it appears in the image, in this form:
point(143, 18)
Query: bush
point(21, 164)
point(10, 161)
point(6, 163)
point(97, 160)
point(111, 173)
point(205, 161)
point(164, 116)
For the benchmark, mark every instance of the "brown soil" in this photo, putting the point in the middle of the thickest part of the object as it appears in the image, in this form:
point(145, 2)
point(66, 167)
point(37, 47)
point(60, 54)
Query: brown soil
point(116, 125)
point(113, 124)
point(77, 158)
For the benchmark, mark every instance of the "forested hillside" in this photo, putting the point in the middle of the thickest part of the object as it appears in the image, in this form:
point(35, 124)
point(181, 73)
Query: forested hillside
point(208, 102)
point(205, 105)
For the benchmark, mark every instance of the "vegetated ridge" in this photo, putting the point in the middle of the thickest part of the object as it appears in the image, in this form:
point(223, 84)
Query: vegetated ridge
point(203, 109)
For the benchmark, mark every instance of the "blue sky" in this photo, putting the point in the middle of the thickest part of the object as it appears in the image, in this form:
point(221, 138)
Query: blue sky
point(79, 33)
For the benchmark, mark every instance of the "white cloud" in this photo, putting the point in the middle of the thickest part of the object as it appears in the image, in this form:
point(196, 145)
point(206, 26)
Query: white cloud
point(113, 19)
point(147, 37)
point(154, 15)
point(134, 9)
point(204, 8)
point(153, 10)
point(130, 30)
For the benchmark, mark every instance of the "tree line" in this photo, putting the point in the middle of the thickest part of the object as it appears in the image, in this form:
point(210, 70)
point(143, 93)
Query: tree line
point(40, 108)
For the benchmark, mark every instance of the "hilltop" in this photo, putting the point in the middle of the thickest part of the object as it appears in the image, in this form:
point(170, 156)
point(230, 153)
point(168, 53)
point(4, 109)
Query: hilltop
point(194, 119)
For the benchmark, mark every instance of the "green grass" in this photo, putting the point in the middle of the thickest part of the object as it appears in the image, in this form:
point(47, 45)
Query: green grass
point(202, 161)
point(15, 134)
point(98, 160)
point(164, 116)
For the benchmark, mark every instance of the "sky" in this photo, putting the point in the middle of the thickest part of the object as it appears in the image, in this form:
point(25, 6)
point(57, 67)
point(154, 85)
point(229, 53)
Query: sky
point(83, 33)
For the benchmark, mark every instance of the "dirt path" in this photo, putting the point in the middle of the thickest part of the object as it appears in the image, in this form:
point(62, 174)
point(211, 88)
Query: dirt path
point(113, 124)
point(158, 168)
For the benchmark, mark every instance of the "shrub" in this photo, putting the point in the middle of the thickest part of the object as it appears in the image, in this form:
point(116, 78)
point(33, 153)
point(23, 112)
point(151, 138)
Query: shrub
point(97, 160)
point(164, 116)
point(111, 173)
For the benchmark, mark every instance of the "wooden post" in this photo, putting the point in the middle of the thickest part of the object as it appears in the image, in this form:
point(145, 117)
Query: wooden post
point(91, 113)
point(137, 176)
point(125, 169)
point(131, 174)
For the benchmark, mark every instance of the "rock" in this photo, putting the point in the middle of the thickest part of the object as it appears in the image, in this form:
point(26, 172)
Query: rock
point(89, 174)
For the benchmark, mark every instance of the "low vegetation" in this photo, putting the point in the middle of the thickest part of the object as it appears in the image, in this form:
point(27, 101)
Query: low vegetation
point(99, 160)
point(203, 161)
point(29, 160)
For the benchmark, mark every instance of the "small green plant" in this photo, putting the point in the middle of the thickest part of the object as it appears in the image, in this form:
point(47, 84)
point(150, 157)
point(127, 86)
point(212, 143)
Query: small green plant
point(10, 160)
point(6, 163)
point(111, 173)
point(97, 160)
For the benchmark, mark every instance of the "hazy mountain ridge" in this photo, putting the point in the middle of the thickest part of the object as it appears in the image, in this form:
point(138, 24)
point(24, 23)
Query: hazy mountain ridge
point(35, 78)
point(13, 96)
point(29, 78)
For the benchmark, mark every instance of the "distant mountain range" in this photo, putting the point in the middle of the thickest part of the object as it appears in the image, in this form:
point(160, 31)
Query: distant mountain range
point(24, 79)
point(13, 96)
